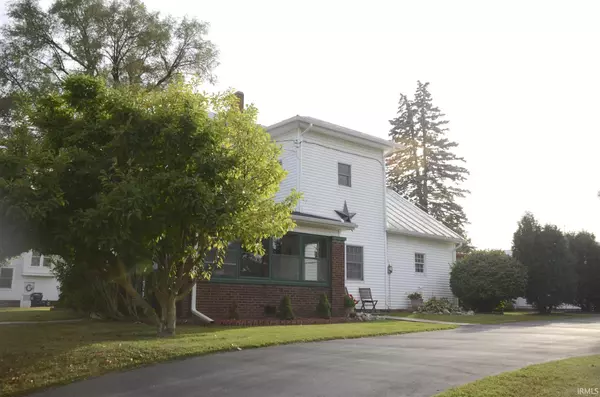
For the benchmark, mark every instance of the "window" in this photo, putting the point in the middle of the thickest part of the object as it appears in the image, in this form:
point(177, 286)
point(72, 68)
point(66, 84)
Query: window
point(36, 258)
point(354, 262)
point(295, 257)
point(419, 263)
point(6, 276)
point(344, 174)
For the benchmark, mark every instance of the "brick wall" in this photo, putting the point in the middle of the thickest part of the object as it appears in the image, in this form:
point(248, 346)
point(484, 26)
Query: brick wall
point(215, 299)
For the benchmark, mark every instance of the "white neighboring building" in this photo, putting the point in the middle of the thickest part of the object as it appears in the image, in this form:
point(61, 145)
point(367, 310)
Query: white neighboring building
point(24, 275)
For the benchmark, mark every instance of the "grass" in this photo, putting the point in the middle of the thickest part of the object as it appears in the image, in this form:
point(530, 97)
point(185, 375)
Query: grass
point(557, 378)
point(35, 314)
point(42, 355)
point(508, 317)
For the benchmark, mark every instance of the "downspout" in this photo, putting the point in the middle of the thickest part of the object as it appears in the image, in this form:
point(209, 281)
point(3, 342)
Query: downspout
point(388, 296)
point(195, 312)
point(299, 146)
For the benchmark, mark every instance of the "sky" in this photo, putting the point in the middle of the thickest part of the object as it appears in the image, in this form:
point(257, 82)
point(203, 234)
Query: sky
point(519, 82)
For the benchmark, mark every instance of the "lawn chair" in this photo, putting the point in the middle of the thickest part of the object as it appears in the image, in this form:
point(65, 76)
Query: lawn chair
point(367, 298)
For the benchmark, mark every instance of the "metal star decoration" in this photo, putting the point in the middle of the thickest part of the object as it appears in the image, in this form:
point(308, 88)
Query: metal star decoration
point(344, 214)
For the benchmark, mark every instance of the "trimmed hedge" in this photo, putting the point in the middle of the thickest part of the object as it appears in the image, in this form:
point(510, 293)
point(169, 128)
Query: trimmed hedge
point(484, 279)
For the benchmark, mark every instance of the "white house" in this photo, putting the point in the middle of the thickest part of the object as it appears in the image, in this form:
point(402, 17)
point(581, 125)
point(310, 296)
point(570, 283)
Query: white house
point(392, 246)
point(24, 275)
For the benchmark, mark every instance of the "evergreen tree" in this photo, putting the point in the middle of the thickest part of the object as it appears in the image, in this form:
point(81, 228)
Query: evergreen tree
point(586, 253)
point(545, 252)
point(426, 170)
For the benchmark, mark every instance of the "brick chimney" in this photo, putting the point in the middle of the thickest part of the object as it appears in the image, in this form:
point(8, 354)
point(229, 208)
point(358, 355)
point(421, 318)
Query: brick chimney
point(240, 96)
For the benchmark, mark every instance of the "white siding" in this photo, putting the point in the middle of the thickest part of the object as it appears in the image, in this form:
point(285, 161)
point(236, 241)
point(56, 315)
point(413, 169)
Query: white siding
point(434, 281)
point(42, 277)
point(322, 196)
point(289, 161)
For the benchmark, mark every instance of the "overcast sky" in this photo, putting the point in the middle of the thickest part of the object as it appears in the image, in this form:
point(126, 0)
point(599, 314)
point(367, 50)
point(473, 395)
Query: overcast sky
point(518, 81)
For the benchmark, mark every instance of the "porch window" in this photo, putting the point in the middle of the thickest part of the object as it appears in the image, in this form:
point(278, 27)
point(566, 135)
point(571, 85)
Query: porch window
point(6, 277)
point(293, 258)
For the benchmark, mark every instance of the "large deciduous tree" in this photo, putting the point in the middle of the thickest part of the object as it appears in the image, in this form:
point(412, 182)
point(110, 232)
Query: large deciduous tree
point(426, 170)
point(551, 278)
point(126, 180)
point(119, 40)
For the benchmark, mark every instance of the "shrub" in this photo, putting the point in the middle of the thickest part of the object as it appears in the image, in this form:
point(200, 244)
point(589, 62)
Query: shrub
point(285, 309)
point(349, 301)
point(233, 311)
point(323, 307)
point(483, 279)
point(509, 306)
point(438, 306)
point(415, 296)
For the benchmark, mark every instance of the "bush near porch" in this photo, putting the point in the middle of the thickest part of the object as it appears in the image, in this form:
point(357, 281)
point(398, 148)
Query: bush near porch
point(42, 355)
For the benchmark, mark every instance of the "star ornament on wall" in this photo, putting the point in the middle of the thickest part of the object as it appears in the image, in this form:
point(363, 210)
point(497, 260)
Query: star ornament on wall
point(345, 214)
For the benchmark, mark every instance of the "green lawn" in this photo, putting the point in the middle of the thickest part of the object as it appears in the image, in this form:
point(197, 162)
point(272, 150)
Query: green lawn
point(509, 317)
point(40, 355)
point(557, 378)
point(35, 314)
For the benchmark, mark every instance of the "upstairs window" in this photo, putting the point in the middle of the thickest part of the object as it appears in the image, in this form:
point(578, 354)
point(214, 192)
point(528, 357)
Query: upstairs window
point(36, 258)
point(6, 277)
point(419, 263)
point(344, 174)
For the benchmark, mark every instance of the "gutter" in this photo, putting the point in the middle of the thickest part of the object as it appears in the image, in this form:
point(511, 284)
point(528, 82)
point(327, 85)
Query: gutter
point(299, 146)
point(325, 222)
point(388, 295)
point(195, 312)
point(423, 235)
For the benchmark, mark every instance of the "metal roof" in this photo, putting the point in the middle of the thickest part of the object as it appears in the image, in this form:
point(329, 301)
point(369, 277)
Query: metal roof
point(404, 217)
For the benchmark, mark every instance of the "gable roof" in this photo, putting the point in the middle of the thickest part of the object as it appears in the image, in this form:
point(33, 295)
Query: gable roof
point(404, 217)
point(331, 129)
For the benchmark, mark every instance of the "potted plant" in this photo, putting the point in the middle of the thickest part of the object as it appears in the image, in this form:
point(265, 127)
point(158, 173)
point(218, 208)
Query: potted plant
point(416, 300)
point(349, 304)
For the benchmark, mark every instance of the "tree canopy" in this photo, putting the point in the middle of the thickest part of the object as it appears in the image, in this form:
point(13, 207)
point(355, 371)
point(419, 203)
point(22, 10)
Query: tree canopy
point(426, 170)
point(124, 180)
point(551, 278)
point(118, 40)
point(484, 279)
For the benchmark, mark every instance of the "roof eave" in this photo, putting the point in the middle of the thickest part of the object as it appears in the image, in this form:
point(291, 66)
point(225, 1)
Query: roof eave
point(409, 233)
point(331, 130)
point(326, 223)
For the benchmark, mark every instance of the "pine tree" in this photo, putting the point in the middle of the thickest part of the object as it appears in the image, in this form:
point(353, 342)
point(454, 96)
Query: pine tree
point(426, 170)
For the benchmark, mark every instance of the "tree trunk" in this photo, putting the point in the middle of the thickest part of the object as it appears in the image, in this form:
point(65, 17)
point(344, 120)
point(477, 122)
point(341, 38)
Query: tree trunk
point(168, 317)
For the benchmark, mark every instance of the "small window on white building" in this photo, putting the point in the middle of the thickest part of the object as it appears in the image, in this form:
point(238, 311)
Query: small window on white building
point(344, 174)
point(354, 263)
point(419, 263)
point(36, 258)
point(6, 277)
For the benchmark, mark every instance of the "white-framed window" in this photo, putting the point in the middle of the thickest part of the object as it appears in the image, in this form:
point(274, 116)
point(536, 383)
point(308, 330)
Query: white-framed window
point(344, 174)
point(354, 263)
point(36, 258)
point(6, 277)
point(419, 262)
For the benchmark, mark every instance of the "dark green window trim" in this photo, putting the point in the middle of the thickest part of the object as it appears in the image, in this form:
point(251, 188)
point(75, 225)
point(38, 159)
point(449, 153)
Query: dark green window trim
point(270, 280)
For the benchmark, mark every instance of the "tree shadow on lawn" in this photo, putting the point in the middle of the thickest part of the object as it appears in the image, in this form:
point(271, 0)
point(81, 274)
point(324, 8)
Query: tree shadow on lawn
point(38, 355)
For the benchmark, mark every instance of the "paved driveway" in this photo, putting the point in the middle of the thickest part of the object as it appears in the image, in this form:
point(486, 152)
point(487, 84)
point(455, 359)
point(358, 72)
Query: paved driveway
point(420, 364)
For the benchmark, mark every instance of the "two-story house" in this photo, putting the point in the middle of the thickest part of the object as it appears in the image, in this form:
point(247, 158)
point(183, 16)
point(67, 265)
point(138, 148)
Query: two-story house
point(351, 232)
point(23, 275)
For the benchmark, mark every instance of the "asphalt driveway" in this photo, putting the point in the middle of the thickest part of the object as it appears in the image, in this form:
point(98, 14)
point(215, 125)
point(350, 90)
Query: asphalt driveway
point(420, 364)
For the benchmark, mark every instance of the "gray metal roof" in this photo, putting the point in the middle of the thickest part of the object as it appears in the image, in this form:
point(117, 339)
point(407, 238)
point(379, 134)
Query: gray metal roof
point(403, 217)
